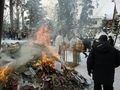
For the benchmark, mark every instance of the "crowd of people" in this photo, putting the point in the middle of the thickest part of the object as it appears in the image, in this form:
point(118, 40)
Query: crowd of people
point(86, 41)
point(17, 35)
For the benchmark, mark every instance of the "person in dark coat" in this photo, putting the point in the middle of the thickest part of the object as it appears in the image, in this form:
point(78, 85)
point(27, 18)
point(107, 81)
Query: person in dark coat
point(87, 45)
point(101, 63)
point(110, 40)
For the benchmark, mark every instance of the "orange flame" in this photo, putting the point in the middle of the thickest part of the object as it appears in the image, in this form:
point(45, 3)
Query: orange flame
point(44, 38)
point(43, 35)
point(5, 71)
point(46, 60)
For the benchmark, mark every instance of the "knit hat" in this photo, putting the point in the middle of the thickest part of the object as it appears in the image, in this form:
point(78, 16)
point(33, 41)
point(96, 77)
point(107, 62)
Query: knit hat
point(103, 38)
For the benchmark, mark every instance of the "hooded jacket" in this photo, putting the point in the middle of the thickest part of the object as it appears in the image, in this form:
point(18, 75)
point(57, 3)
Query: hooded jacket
point(102, 61)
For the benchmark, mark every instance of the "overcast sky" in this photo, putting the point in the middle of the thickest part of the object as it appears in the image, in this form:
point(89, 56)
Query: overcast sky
point(105, 7)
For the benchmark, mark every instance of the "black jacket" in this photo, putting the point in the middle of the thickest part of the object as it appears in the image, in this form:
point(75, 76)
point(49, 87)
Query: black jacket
point(102, 61)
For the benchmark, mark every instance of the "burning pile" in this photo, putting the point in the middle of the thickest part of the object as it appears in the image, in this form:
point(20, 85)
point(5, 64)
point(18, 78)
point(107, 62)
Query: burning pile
point(5, 71)
point(43, 72)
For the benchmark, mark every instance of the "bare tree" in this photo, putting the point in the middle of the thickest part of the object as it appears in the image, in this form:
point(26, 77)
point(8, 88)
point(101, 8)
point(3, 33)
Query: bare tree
point(11, 14)
point(1, 18)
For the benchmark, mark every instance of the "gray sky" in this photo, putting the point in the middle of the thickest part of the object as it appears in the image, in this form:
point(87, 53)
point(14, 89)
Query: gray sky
point(106, 7)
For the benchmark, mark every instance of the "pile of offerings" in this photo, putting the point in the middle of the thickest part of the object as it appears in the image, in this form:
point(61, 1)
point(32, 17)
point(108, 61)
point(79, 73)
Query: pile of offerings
point(42, 72)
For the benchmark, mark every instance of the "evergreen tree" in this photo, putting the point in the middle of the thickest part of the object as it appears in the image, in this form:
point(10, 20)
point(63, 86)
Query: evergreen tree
point(35, 13)
point(66, 15)
point(87, 11)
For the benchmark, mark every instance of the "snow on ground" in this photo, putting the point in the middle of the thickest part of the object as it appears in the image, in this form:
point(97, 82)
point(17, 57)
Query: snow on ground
point(11, 41)
point(81, 68)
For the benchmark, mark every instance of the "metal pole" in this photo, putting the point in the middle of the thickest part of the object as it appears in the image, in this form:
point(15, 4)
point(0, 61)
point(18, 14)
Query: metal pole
point(1, 18)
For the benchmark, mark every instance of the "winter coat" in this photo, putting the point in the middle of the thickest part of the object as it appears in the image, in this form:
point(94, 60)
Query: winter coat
point(102, 61)
point(87, 44)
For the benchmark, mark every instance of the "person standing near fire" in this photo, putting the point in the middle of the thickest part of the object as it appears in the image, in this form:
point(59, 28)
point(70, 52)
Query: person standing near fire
point(58, 41)
point(73, 43)
point(19, 35)
point(101, 63)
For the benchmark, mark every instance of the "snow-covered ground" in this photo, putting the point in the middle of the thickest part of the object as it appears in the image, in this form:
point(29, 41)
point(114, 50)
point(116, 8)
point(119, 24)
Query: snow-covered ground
point(81, 68)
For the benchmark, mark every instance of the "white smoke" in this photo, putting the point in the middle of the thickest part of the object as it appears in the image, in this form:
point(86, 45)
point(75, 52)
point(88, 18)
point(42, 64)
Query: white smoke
point(26, 53)
point(6, 59)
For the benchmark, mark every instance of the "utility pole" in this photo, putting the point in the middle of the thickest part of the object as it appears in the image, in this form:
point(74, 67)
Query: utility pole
point(1, 18)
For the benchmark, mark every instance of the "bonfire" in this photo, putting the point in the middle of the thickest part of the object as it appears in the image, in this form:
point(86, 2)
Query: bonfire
point(45, 71)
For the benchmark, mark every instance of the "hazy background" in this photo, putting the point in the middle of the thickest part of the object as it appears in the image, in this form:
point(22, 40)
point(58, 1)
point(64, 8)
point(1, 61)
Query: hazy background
point(102, 7)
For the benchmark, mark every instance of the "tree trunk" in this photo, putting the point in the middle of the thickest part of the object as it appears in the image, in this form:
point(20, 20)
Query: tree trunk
point(22, 14)
point(1, 18)
point(11, 14)
point(17, 8)
point(23, 26)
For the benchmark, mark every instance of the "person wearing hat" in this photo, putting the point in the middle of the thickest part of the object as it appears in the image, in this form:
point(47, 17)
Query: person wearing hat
point(101, 63)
